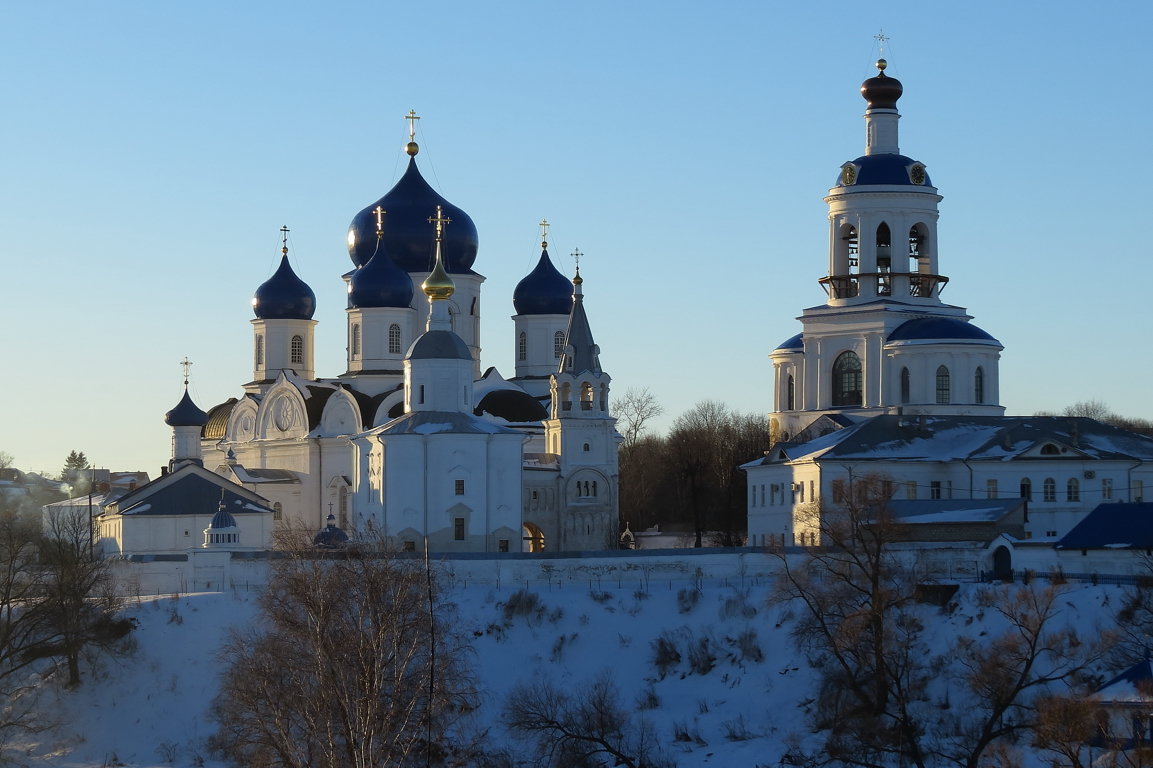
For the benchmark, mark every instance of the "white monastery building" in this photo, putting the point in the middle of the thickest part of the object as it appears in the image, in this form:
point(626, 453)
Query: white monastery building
point(887, 381)
point(411, 441)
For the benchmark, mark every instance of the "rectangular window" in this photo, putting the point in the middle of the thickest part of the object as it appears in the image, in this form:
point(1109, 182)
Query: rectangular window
point(887, 489)
point(409, 545)
point(1106, 488)
point(1138, 492)
point(459, 487)
point(801, 492)
point(502, 545)
point(910, 490)
point(458, 529)
point(839, 492)
point(812, 490)
point(990, 489)
point(935, 489)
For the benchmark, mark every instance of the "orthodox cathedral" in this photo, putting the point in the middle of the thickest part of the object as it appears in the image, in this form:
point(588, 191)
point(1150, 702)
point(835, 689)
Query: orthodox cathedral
point(886, 380)
point(412, 442)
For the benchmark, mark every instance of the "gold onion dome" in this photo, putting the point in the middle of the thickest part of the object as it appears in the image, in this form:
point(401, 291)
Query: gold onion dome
point(438, 285)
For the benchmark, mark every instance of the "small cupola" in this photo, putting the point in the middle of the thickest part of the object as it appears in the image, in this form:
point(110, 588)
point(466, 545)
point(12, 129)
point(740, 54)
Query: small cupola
point(544, 291)
point(380, 282)
point(284, 296)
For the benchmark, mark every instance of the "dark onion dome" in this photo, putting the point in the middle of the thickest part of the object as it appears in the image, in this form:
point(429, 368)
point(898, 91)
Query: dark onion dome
point(186, 414)
point(793, 342)
point(882, 91)
point(884, 169)
point(513, 405)
point(380, 283)
point(284, 296)
point(439, 345)
point(222, 519)
point(544, 291)
point(330, 536)
point(940, 329)
point(408, 236)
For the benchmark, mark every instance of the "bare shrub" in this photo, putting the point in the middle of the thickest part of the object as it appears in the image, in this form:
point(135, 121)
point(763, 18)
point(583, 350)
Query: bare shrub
point(666, 656)
point(687, 599)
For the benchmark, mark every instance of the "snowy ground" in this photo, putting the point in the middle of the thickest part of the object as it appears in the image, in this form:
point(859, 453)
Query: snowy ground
point(152, 708)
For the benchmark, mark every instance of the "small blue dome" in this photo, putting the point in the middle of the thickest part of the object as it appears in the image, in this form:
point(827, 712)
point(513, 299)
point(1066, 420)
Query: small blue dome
point(544, 291)
point(222, 519)
point(940, 328)
point(330, 536)
point(793, 342)
point(409, 237)
point(186, 414)
point(380, 283)
point(884, 169)
point(439, 345)
point(284, 296)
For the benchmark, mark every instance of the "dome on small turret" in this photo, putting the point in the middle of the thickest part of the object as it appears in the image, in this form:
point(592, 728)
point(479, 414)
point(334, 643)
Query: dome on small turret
point(409, 237)
point(330, 537)
point(544, 291)
point(284, 296)
point(380, 283)
point(186, 414)
point(222, 519)
point(882, 91)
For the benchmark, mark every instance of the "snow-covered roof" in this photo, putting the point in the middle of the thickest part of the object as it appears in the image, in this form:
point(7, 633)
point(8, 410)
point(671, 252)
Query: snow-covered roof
point(973, 438)
point(936, 511)
point(436, 422)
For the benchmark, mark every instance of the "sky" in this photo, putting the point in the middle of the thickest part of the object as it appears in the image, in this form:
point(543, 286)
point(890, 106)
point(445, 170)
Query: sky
point(149, 154)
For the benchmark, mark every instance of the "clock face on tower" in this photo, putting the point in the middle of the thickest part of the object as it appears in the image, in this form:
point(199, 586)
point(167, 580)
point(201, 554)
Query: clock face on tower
point(848, 174)
point(917, 174)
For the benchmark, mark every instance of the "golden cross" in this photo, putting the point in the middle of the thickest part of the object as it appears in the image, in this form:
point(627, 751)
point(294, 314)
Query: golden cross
point(379, 220)
point(411, 117)
point(881, 38)
point(576, 255)
point(186, 364)
point(544, 233)
point(439, 220)
point(284, 239)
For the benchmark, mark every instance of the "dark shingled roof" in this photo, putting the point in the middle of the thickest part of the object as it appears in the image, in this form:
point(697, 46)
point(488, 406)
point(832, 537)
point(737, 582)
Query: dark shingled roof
point(511, 405)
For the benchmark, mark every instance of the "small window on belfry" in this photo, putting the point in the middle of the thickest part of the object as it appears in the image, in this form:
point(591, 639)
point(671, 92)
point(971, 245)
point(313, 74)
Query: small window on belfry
point(586, 448)
point(459, 487)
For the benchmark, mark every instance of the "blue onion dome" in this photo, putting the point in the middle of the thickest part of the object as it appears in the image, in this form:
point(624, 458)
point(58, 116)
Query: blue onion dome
point(380, 283)
point(941, 329)
point(882, 91)
point(186, 414)
point(284, 296)
point(409, 236)
point(544, 291)
point(223, 518)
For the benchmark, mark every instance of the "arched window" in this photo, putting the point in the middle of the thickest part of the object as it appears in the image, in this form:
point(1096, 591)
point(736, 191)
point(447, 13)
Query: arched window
point(1050, 489)
point(594, 487)
point(979, 385)
point(1073, 490)
point(904, 385)
point(296, 349)
point(586, 396)
point(258, 353)
point(916, 241)
point(1026, 489)
point(557, 345)
point(521, 346)
point(277, 511)
point(790, 394)
point(847, 379)
point(565, 397)
point(884, 247)
point(394, 339)
point(355, 339)
point(944, 390)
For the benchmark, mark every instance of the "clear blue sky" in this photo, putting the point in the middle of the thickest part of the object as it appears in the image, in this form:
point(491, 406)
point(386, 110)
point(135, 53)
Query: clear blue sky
point(150, 151)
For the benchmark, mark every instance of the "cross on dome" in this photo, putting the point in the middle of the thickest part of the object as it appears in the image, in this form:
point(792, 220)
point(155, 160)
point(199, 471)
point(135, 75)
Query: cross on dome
point(544, 233)
point(186, 364)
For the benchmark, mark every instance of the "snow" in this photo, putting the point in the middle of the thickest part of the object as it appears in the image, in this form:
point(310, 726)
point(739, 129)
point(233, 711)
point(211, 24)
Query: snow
point(139, 709)
point(431, 429)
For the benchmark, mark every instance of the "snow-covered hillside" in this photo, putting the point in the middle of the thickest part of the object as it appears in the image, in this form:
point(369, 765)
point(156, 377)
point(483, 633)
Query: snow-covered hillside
point(153, 707)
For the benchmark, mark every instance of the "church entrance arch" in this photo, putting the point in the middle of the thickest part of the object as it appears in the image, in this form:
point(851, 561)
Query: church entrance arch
point(1002, 564)
point(533, 538)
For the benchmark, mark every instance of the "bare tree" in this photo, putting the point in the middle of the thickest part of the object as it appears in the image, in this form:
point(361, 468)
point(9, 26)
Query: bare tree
point(356, 665)
point(588, 728)
point(633, 411)
point(78, 596)
point(859, 620)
